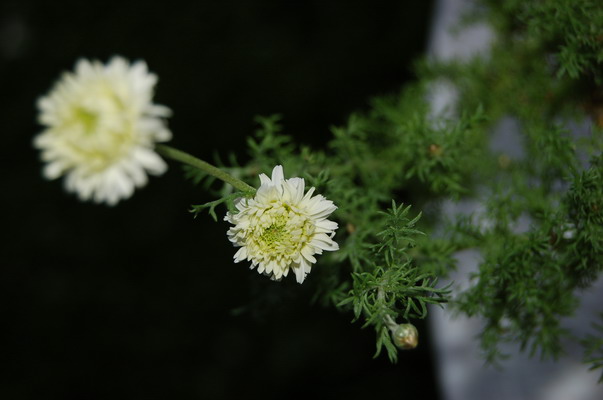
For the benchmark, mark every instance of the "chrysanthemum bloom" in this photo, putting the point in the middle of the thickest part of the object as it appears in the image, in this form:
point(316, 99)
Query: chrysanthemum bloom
point(281, 229)
point(100, 129)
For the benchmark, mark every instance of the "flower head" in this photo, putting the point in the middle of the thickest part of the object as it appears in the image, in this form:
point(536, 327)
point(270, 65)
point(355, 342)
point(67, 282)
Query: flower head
point(281, 229)
point(100, 129)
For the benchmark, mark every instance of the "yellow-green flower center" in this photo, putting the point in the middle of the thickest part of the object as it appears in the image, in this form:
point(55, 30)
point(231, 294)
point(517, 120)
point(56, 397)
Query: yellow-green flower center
point(97, 128)
point(273, 234)
point(280, 233)
point(88, 120)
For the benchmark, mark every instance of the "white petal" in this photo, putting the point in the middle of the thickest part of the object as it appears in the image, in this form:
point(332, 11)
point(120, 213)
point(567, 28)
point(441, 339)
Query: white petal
point(136, 172)
point(308, 254)
point(322, 208)
point(264, 180)
point(53, 170)
point(326, 225)
point(324, 242)
point(293, 190)
point(150, 160)
point(277, 175)
point(301, 271)
point(240, 255)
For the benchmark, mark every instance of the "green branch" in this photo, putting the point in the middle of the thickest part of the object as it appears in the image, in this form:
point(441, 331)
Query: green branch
point(186, 158)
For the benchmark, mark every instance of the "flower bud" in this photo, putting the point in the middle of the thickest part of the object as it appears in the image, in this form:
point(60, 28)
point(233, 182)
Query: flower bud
point(405, 336)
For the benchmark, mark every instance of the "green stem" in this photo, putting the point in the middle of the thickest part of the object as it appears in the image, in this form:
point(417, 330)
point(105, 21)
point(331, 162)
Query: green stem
point(186, 158)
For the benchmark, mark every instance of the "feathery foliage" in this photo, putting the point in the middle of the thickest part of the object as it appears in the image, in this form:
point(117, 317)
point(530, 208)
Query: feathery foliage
point(538, 220)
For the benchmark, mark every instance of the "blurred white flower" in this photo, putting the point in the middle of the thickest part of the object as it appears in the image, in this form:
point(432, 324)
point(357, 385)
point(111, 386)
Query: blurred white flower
point(101, 128)
point(281, 228)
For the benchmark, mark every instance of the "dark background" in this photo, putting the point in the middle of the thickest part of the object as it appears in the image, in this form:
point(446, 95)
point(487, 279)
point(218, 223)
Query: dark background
point(141, 300)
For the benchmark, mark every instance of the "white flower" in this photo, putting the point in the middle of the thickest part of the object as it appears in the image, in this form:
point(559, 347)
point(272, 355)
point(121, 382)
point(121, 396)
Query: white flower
point(100, 129)
point(281, 229)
